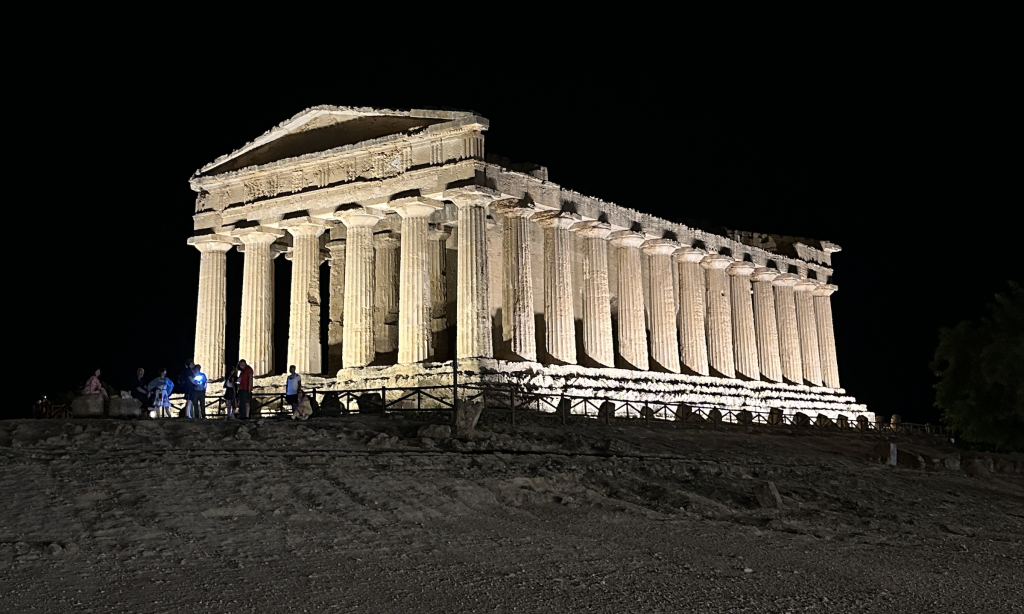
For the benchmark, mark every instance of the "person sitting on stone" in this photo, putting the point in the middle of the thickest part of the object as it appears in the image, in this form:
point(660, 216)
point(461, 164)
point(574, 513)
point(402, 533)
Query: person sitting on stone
point(161, 388)
point(292, 387)
point(302, 409)
point(93, 386)
point(139, 390)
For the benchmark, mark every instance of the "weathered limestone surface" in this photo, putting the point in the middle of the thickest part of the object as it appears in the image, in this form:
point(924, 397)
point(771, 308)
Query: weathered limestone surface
point(719, 314)
point(518, 300)
point(336, 327)
point(256, 339)
point(826, 334)
point(437, 257)
point(809, 355)
point(597, 314)
point(358, 321)
point(473, 326)
point(303, 329)
point(789, 334)
point(743, 336)
point(664, 334)
point(766, 324)
point(559, 317)
point(632, 329)
point(212, 304)
point(414, 296)
point(387, 248)
point(692, 296)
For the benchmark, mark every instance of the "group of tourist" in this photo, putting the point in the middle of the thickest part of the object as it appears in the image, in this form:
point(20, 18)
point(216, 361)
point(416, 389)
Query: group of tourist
point(192, 383)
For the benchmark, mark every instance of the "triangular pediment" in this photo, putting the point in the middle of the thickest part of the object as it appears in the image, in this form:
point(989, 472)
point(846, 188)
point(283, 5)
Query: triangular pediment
point(324, 128)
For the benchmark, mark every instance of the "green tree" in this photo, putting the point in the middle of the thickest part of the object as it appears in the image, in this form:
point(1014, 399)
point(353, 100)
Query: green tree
point(980, 366)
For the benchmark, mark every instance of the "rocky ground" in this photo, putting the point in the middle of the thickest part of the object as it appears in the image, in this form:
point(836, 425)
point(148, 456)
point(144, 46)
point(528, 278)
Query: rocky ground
point(361, 514)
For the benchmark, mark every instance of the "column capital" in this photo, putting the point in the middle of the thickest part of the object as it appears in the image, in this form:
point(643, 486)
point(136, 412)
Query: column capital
point(387, 240)
point(361, 217)
point(627, 238)
point(765, 274)
point(592, 229)
point(471, 196)
point(786, 279)
point(303, 226)
point(556, 219)
point(516, 208)
point(741, 269)
point(438, 233)
point(689, 254)
point(211, 243)
point(660, 247)
point(415, 206)
point(716, 261)
point(825, 290)
point(257, 234)
point(805, 285)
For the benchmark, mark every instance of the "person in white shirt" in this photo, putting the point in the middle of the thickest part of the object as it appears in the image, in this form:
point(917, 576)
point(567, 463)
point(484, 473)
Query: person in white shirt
point(292, 387)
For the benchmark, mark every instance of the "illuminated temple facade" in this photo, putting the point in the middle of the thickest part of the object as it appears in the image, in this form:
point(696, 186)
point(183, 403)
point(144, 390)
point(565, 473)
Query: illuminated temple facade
point(437, 252)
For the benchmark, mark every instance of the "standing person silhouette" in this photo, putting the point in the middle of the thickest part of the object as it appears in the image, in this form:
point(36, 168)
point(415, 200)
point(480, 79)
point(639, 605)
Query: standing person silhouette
point(245, 376)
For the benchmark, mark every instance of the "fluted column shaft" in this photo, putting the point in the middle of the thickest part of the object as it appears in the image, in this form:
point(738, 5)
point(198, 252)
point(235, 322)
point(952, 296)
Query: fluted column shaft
point(303, 332)
point(743, 336)
point(414, 290)
point(472, 302)
point(518, 292)
point(766, 324)
point(692, 298)
point(437, 263)
point(808, 327)
point(632, 329)
point(358, 347)
point(256, 338)
point(664, 332)
point(826, 334)
point(335, 327)
point(212, 304)
point(597, 310)
point(789, 332)
point(719, 314)
point(559, 314)
point(387, 246)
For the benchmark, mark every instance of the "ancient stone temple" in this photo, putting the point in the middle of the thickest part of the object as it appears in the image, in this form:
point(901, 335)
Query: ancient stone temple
point(437, 252)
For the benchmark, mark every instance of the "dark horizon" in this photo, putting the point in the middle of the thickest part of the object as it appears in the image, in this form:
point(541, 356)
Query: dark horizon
point(907, 181)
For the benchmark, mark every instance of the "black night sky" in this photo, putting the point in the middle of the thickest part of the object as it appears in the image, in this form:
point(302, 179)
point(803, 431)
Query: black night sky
point(900, 159)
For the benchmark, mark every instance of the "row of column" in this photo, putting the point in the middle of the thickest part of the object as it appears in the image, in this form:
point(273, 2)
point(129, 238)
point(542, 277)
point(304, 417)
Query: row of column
point(733, 318)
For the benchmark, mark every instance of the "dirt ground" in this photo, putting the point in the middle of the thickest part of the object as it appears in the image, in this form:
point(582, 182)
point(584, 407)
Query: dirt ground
point(359, 514)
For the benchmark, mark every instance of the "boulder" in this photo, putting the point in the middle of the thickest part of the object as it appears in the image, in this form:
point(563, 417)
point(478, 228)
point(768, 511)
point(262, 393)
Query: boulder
point(683, 412)
point(823, 422)
point(801, 419)
point(87, 406)
point(978, 467)
point(776, 417)
point(863, 424)
point(768, 496)
point(912, 460)
point(466, 415)
point(1005, 465)
point(606, 411)
point(745, 417)
point(952, 463)
point(842, 422)
point(125, 408)
point(646, 413)
point(715, 416)
point(435, 431)
point(370, 403)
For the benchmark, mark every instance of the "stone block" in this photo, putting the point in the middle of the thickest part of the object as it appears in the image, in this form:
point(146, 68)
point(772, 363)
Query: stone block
point(801, 419)
point(886, 452)
point(978, 467)
point(370, 403)
point(125, 408)
point(87, 406)
point(1005, 465)
point(863, 424)
point(911, 460)
point(715, 416)
point(776, 417)
point(952, 463)
point(606, 411)
point(646, 413)
point(823, 422)
point(683, 412)
point(842, 422)
point(768, 496)
point(745, 417)
point(466, 415)
point(439, 432)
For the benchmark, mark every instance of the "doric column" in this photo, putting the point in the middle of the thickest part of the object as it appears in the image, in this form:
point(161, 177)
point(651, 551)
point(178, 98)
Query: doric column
point(212, 303)
point(517, 294)
point(437, 237)
point(743, 338)
point(692, 299)
point(805, 321)
point(385, 291)
point(256, 338)
point(664, 334)
point(766, 324)
point(472, 300)
point(559, 317)
point(789, 333)
point(826, 334)
point(719, 314)
point(335, 327)
point(357, 346)
point(632, 329)
point(303, 331)
point(414, 290)
point(597, 309)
